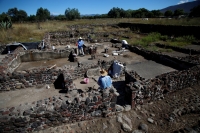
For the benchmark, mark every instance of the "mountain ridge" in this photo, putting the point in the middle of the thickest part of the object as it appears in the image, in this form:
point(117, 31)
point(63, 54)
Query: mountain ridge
point(185, 6)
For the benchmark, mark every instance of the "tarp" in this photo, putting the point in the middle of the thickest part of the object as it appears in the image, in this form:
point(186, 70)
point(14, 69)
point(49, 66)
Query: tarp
point(32, 45)
point(117, 69)
point(11, 47)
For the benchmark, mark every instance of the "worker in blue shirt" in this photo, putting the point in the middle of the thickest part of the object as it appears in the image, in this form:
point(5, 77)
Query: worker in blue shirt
point(80, 46)
point(104, 80)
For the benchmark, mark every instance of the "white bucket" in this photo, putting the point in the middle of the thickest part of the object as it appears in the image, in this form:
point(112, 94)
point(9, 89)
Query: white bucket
point(106, 55)
point(114, 53)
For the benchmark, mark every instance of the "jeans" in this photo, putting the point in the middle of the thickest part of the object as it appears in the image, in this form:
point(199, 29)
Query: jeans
point(81, 51)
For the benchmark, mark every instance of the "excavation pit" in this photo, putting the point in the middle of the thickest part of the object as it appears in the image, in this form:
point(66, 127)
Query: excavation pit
point(31, 91)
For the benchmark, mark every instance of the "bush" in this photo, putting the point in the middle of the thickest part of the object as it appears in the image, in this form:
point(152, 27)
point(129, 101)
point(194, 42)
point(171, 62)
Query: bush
point(5, 25)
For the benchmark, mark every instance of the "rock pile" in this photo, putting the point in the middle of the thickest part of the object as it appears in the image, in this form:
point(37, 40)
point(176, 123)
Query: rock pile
point(57, 110)
point(142, 91)
point(194, 59)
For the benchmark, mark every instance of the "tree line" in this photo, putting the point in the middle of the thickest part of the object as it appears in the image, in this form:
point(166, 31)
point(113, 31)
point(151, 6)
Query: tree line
point(43, 14)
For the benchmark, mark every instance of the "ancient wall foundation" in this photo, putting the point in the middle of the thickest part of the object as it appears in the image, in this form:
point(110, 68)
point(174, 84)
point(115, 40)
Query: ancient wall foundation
point(13, 60)
point(140, 90)
point(56, 110)
point(170, 30)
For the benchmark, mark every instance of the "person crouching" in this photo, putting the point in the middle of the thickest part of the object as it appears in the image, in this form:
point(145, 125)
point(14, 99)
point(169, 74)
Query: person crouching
point(105, 82)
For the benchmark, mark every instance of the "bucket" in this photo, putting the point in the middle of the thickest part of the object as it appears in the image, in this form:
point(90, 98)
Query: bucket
point(86, 80)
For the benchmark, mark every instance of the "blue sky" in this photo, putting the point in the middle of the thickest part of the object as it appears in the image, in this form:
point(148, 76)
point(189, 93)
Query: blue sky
point(57, 7)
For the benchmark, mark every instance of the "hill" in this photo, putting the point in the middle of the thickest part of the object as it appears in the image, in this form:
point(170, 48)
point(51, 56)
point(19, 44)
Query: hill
point(185, 6)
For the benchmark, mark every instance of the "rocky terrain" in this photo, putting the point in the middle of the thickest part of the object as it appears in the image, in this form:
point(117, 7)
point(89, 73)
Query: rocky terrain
point(30, 101)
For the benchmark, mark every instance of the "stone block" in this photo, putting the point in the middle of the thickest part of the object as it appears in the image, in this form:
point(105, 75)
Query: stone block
point(92, 72)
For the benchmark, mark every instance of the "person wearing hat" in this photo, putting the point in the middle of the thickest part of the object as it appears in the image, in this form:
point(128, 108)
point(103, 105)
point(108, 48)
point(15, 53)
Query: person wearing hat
point(104, 80)
point(80, 46)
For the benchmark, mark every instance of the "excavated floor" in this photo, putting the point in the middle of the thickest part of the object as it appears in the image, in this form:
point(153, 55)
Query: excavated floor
point(147, 69)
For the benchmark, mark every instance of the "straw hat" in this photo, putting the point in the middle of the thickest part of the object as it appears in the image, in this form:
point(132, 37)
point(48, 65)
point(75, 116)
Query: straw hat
point(80, 38)
point(103, 72)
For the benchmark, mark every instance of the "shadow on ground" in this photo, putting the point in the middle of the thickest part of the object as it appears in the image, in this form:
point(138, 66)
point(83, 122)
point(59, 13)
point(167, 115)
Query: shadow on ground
point(120, 87)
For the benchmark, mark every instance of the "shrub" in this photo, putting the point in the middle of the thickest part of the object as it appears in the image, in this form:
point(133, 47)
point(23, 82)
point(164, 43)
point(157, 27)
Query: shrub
point(6, 25)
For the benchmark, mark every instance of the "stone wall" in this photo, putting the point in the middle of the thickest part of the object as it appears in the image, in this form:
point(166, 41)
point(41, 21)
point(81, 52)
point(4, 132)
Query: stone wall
point(175, 62)
point(28, 78)
point(195, 59)
point(179, 49)
point(54, 111)
point(140, 91)
point(2, 47)
point(43, 55)
point(170, 30)
point(143, 91)
point(13, 60)
point(44, 75)
point(68, 37)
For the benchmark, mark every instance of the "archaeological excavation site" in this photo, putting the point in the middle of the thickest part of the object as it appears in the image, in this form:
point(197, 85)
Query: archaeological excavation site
point(47, 87)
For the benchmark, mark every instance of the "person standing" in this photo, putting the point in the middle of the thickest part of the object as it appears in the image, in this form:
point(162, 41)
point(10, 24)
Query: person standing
point(80, 46)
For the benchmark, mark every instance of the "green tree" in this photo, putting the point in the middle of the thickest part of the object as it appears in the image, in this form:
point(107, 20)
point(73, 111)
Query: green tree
point(116, 12)
point(150, 15)
point(12, 12)
point(22, 15)
point(60, 17)
point(42, 14)
point(156, 13)
point(72, 14)
point(168, 13)
point(122, 13)
point(31, 18)
point(144, 12)
point(137, 14)
point(195, 12)
point(178, 12)
point(128, 13)
point(17, 15)
point(3, 16)
point(104, 15)
point(140, 13)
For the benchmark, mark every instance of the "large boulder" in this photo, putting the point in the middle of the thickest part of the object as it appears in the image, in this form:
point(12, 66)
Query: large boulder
point(93, 72)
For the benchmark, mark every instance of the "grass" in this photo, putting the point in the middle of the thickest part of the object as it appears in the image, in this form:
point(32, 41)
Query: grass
point(32, 32)
point(148, 41)
point(157, 49)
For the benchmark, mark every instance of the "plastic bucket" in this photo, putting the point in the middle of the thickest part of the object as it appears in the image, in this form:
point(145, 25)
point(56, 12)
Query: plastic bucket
point(86, 80)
